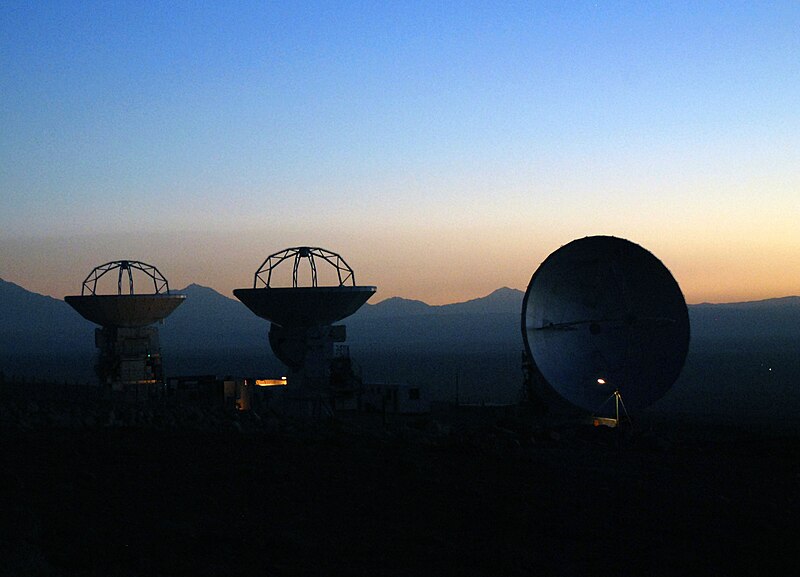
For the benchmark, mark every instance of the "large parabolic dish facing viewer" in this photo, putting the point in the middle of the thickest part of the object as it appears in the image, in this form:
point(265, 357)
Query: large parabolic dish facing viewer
point(602, 314)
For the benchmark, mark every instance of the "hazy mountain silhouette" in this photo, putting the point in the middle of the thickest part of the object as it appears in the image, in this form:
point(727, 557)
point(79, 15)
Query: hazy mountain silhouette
point(765, 319)
point(743, 360)
point(209, 320)
point(396, 324)
point(502, 301)
point(41, 336)
point(29, 317)
point(394, 307)
point(31, 321)
point(214, 334)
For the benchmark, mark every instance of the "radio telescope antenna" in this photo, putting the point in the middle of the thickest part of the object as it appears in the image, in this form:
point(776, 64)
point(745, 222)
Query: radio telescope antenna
point(302, 332)
point(129, 355)
point(603, 318)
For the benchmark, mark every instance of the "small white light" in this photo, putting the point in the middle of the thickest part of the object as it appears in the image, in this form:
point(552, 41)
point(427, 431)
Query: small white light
point(601, 381)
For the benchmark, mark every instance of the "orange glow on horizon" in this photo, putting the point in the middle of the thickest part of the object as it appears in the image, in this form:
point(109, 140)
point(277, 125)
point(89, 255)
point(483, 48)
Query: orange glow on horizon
point(708, 268)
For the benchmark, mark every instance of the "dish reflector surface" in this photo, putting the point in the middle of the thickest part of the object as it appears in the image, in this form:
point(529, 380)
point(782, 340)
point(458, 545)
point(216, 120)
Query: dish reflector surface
point(305, 306)
point(125, 310)
point(602, 314)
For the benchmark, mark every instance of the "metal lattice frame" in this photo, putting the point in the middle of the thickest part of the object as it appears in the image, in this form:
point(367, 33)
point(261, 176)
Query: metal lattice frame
point(343, 270)
point(160, 284)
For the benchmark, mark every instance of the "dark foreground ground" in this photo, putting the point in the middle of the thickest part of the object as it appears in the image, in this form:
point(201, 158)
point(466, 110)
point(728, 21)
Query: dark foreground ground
point(422, 497)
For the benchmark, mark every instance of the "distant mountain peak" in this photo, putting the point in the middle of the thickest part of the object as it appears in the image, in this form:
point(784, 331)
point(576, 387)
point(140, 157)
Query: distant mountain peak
point(199, 290)
point(394, 306)
point(502, 300)
point(505, 290)
point(505, 293)
point(198, 293)
point(196, 287)
point(401, 300)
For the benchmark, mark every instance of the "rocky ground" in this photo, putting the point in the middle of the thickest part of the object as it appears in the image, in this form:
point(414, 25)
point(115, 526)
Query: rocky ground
point(102, 490)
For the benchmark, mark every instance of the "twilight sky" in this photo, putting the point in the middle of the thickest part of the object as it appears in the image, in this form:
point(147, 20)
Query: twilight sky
point(444, 149)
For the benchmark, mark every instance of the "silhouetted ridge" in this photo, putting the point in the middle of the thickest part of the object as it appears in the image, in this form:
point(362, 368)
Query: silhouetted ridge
point(395, 339)
point(27, 311)
point(21, 295)
point(38, 331)
point(501, 301)
point(209, 319)
point(764, 319)
point(394, 306)
point(790, 301)
point(195, 288)
point(203, 293)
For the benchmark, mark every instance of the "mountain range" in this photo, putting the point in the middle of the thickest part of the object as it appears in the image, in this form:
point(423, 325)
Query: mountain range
point(472, 347)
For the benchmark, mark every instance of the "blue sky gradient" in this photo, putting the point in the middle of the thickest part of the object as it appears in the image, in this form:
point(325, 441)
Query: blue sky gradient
point(445, 149)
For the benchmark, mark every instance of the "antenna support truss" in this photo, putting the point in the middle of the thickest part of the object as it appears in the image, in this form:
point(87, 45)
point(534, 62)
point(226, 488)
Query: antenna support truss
point(125, 270)
point(344, 273)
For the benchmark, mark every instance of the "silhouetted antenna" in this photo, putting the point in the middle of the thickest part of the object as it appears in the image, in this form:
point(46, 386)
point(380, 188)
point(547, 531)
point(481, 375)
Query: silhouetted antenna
point(601, 318)
point(304, 306)
point(129, 355)
point(301, 332)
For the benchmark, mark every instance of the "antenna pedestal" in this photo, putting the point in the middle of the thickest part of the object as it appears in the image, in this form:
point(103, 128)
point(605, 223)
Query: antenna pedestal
point(129, 362)
point(319, 370)
point(302, 333)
